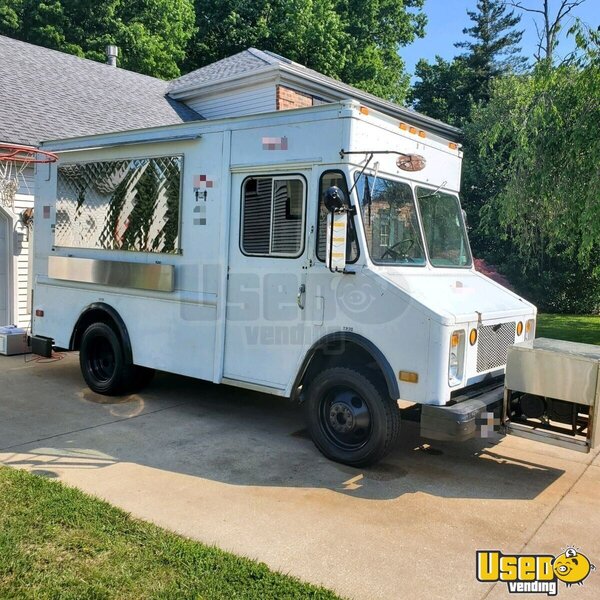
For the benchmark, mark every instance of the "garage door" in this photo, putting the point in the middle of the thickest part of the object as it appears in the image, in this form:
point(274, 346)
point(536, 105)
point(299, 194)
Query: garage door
point(4, 271)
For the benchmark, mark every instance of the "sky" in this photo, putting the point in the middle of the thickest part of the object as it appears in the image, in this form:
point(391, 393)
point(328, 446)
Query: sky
point(447, 19)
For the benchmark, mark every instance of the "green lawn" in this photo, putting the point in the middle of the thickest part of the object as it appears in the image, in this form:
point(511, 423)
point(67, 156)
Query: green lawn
point(576, 328)
point(56, 542)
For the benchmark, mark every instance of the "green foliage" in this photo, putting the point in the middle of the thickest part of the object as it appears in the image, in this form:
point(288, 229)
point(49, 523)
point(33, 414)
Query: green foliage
point(494, 49)
point(152, 35)
point(574, 328)
point(356, 41)
point(447, 90)
point(533, 181)
point(442, 90)
point(58, 543)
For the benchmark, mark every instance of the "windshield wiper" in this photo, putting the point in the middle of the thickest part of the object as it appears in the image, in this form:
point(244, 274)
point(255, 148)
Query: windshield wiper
point(359, 175)
point(437, 189)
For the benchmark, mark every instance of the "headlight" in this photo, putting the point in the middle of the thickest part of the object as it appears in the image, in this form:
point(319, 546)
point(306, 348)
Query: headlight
point(456, 359)
point(530, 329)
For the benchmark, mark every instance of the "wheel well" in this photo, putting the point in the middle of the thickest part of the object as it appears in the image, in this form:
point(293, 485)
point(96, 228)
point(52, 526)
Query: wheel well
point(101, 314)
point(347, 353)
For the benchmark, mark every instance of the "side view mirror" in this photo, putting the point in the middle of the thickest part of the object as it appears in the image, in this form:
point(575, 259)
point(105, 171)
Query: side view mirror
point(337, 228)
point(334, 199)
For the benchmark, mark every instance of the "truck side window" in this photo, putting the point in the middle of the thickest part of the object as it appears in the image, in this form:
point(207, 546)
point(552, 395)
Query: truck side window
point(273, 215)
point(338, 179)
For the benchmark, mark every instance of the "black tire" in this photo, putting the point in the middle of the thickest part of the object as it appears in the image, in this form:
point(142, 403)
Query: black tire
point(351, 419)
point(103, 363)
point(142, 377)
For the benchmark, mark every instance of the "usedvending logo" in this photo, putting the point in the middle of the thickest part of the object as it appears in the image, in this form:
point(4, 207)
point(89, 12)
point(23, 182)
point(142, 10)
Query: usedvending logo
point(533, 573)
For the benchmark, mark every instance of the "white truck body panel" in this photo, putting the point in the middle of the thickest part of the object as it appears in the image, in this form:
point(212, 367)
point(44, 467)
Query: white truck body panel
point(234, 318)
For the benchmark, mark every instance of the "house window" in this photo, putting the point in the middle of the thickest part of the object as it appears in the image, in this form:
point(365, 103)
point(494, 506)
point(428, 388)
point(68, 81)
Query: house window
point(273, 215)
point(384, 233)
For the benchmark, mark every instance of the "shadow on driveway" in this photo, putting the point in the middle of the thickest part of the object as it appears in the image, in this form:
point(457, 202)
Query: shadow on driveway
point(239, 438)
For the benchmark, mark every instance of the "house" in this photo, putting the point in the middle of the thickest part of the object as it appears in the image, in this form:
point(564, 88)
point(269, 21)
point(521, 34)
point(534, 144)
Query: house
point(46, 94)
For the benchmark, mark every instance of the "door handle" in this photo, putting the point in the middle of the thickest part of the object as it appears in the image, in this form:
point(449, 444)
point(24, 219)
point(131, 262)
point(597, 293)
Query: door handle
point(300, 296)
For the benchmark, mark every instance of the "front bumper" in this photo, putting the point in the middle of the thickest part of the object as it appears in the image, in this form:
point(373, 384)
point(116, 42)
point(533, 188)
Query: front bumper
point(474, 415)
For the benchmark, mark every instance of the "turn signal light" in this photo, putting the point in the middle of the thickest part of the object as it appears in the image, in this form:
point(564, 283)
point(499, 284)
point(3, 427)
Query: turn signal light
point(529, 329)
point(455, 340)
point(473, 337)
point(408, 376)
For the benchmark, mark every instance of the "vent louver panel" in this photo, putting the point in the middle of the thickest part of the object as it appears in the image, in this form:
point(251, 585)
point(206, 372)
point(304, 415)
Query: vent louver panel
point(257, 216)
point(492, 345)
point(287, 217)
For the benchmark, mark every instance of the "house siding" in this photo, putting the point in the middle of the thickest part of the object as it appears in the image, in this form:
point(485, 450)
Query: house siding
point(257, 99)
point(21, 243)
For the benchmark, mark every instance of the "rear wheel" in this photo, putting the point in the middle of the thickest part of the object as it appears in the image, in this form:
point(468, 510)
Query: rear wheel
point(104, 365)
point(350, 418)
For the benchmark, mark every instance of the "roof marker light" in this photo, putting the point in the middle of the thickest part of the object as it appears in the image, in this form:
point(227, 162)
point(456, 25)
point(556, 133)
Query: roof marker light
point(364, 110)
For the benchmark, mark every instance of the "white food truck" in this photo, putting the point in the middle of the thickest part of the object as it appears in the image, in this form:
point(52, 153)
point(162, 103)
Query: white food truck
point(317, 254)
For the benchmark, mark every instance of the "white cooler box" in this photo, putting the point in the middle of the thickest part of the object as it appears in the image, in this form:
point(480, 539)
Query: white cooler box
point(13, 341)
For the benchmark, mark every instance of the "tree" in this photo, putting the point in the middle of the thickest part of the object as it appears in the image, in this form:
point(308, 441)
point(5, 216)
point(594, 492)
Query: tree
point(454, 86)
point(152, 34)
point(494, 49)
point(356, 41)
point(536, 149)
point(377, 30)
point(551, 25)
point(441, 90)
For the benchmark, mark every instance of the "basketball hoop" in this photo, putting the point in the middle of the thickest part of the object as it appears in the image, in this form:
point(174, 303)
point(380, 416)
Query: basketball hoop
point(14, 159)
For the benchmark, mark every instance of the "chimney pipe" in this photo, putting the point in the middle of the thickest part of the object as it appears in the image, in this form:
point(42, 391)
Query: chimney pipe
point(112, 52)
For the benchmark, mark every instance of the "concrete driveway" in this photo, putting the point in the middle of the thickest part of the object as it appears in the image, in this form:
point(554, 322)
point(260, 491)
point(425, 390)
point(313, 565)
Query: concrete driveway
point(235, 469)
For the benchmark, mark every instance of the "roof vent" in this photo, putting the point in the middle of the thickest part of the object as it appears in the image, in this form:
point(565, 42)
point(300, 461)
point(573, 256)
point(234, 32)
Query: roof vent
point(112, 52)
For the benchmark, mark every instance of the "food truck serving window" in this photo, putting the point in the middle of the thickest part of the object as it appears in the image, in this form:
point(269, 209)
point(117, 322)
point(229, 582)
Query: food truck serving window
point(444, 229)
point(130, 204)
point(273, 216)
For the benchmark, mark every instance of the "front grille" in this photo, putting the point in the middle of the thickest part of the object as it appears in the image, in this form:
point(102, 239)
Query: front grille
point(492, 345)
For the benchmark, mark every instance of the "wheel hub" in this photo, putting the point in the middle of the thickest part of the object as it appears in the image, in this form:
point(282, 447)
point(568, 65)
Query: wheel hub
point(341, 417)
point(346, 418)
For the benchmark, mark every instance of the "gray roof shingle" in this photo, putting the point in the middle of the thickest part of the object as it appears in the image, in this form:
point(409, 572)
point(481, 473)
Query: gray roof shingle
point(46, 94)
point(242, 62)
point(253, 60)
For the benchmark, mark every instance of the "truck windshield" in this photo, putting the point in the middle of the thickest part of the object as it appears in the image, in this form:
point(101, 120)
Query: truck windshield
point(390, 221)
point(445, 234)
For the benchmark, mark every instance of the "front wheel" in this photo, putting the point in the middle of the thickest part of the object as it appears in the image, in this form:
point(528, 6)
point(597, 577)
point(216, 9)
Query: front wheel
point(351, 420)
